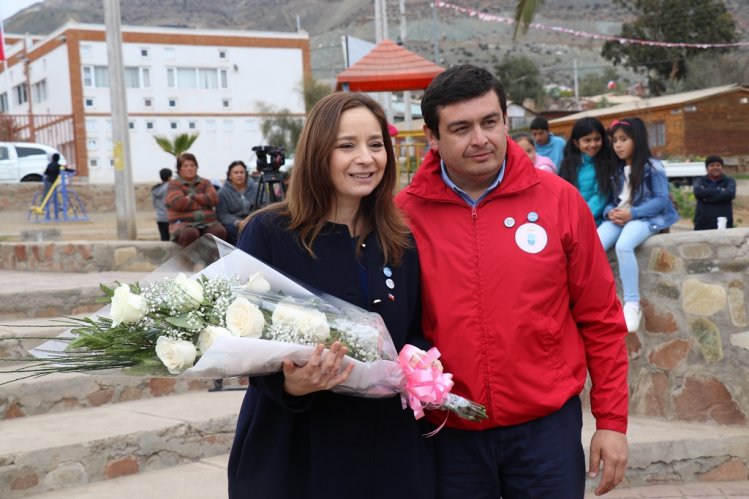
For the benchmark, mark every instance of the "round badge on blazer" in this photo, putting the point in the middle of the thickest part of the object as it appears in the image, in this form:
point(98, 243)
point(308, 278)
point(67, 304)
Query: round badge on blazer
point(531, 238)
point(532, 216)
point(387, 271)
point(389, 283)
point(509, 222)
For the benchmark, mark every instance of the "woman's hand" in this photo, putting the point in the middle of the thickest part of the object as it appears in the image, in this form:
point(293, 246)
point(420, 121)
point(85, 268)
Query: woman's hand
point(620, 216)
point(322, 372)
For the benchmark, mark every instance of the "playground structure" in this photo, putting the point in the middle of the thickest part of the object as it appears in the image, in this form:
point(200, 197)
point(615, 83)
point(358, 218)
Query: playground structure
point(59, 203)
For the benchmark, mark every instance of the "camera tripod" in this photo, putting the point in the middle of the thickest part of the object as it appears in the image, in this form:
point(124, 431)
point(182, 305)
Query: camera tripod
point(269, 185)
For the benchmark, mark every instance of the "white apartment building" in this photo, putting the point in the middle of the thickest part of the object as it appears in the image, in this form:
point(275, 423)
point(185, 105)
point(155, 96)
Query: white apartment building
point(178, 80)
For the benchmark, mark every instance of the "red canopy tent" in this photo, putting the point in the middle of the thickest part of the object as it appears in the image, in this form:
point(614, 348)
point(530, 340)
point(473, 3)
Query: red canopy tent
point(388, 68)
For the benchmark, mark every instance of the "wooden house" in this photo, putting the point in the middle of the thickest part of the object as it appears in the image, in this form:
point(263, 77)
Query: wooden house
point(709, 121)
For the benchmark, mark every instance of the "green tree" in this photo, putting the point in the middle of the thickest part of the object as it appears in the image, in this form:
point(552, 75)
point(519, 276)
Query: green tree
point(688, 21)
point(708, 70)
point(314, 90)
point(280, 128)
point(595, 83)
point(521, 79)
point(180, 144)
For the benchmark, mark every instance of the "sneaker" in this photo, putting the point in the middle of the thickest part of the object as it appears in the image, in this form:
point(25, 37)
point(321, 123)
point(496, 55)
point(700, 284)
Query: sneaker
point(632, 316)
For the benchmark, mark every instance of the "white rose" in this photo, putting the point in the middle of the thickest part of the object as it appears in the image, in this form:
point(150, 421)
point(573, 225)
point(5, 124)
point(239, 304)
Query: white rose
point(208, 335)
point(177, 355)
point(306, 319)
point(193, 289)
point(126, 306)
point(257, 283)
point(244, 319)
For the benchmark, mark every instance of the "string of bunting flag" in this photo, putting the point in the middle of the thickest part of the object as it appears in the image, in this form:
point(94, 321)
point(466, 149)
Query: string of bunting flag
point(584, 34)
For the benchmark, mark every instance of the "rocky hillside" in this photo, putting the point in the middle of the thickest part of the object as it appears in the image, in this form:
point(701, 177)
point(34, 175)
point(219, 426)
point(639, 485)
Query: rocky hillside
point(460, 38)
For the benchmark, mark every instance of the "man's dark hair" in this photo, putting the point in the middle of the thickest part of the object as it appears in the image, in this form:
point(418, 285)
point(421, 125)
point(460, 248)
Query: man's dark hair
point(713, 159)
point(540, 123)
point(458, 84)
point(165, 174)
point(55, 157)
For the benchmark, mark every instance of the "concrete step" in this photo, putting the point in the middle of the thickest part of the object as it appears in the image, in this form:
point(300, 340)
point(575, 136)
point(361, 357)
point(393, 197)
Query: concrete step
point(52, 294)
point(206, 478)
point(69, 391)
point(54, 451)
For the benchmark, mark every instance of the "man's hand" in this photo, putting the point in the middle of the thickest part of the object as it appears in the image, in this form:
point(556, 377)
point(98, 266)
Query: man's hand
point(611, 448)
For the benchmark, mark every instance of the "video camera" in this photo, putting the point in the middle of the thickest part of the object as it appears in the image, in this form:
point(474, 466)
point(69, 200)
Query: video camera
point(269, 158)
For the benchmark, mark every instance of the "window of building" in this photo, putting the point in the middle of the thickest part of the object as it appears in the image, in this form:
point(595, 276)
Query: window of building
point(4, 102)
point(91, 144)
point(91, 125)
point(150, 125)
point(222, 54)
point(131, 125)
point(88, 102)
point(93, 162)
point(108, 125)
point(210, 125)
point(173, 125)
point(192, 125)
point(137, 77)
point(22, 96)
point(148, 102)
point(96, 76)
point(173, 103)
point(144, 52)
point(199, 78)
point(228, 125)
point(86, 51)
point(657, 133)
point(39, 91)
point(169, 53)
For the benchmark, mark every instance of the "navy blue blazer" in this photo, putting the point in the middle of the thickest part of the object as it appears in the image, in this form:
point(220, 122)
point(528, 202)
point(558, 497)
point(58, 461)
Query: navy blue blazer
point(326, 445)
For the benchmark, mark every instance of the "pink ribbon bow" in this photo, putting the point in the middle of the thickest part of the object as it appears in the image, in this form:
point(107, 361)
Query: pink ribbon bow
point(425, 383)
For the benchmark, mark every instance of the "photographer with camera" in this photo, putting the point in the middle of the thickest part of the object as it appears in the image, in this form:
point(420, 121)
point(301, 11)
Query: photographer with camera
point(236, 199)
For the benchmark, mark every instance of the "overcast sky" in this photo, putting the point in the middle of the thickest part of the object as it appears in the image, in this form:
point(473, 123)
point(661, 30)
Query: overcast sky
point(10, 7)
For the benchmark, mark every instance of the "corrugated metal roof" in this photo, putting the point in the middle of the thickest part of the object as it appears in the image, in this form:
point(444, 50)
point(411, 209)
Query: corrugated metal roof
point(651, 103)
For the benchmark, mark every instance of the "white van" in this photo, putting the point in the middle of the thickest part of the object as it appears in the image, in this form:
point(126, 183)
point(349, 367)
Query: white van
point(25, 161)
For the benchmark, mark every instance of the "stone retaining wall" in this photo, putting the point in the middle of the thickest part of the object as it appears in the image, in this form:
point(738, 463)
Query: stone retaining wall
point(690, 359)
point(86, 256)
point(96, 198)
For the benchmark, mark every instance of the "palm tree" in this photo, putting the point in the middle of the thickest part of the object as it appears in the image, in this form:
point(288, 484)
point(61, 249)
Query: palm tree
point(180, 144)
point(524, 12)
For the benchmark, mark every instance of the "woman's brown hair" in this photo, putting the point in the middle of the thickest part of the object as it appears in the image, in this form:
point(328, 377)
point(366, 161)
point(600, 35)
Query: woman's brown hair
point(311, 195)
point(186, 156)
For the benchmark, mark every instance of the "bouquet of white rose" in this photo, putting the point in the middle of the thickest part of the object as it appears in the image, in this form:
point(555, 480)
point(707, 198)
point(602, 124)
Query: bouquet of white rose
point(240, 317)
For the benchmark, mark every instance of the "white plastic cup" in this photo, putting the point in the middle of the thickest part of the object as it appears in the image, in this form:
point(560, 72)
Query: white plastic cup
point(722, 222)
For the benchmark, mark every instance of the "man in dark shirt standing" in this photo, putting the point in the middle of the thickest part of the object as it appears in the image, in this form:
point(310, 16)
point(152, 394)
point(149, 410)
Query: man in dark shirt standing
point(714, 194)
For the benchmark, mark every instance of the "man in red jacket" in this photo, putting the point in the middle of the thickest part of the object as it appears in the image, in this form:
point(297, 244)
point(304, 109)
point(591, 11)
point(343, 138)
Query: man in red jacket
point(519, 297)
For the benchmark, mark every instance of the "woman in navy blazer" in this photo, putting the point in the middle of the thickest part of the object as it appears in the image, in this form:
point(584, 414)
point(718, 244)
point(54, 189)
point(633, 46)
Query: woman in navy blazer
point(338, 231)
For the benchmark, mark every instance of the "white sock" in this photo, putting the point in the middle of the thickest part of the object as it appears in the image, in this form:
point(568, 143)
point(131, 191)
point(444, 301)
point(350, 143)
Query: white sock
point(633, 304)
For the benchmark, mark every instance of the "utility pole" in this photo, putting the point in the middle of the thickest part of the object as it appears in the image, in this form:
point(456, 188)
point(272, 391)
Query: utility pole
point(577, 93)
point(435, 35)
point(407, 118)
point(124, 194)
